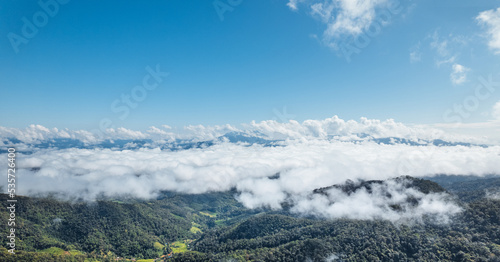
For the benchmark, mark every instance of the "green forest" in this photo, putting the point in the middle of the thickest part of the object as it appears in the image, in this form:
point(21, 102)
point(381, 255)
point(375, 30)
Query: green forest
point(216, 227)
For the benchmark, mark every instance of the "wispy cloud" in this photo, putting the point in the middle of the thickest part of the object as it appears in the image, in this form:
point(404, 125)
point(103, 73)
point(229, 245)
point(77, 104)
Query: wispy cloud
point(352, 16)
point(342, 17)
point(415, 57)
point(440, 45)
point(293, 4)
point(491, 20)
point(447, 52)
point(449, 60)
point(415, 53)
point(496, 111)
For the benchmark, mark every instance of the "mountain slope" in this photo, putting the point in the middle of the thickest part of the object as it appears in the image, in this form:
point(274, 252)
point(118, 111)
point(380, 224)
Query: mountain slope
point(214, 227)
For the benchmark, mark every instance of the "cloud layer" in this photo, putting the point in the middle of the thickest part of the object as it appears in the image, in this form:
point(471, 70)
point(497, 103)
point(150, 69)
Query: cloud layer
point(308, 155)
point(302, 166)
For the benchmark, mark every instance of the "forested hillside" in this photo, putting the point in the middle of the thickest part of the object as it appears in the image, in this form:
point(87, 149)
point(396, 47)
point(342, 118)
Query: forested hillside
point(470, 188)
point(213, 227)
point(125, 228)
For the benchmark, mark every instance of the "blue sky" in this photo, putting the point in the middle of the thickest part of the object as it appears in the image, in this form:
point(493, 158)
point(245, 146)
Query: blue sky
point(263, 56)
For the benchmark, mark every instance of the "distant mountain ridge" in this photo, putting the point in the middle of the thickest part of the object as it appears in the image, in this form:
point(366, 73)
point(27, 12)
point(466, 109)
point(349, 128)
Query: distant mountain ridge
point(469, 188)
point(249, 138)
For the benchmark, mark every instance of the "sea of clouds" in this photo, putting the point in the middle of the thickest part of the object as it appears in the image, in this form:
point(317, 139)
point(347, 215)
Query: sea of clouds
point(307, 156)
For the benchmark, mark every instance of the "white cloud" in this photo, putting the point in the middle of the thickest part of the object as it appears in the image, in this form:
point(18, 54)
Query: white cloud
point(378, 203)
point(439, 45)
point(348, 130)
point(415, 56)
point(293, 4)
point(353, 16)
point(416, 53)
point(493, 194)
point(156, 131)
point(124, 133)
point(201, 132)
point(449, 60)
point(447, 51)
point(313, 154)
point(496, 111)
point(445, 46)
point(304, 165)
point(344, 18)
point(37, 133)
point(459, 74)
point(323, 11)
point(333, 128)
point(491, 19)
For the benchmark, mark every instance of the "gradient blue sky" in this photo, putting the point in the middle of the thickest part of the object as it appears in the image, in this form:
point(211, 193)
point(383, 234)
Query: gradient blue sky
point(263, 56)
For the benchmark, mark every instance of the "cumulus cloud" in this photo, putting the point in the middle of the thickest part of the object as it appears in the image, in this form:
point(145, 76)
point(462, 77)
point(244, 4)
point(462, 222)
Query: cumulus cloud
point(124, 133)
point(491, 20)
point(35, 134)
point(329, 128)
point(348, 130)
point(458, 74)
